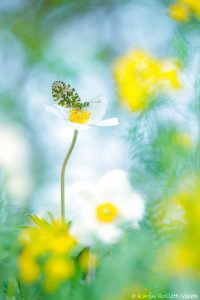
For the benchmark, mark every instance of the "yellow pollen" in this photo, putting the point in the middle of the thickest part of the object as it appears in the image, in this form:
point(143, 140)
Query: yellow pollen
point(79, 116)
point(107, 212)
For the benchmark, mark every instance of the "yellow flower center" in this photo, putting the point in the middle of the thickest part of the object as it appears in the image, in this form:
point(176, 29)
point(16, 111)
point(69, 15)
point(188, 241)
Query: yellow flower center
point(107, 212)
point(79, 116)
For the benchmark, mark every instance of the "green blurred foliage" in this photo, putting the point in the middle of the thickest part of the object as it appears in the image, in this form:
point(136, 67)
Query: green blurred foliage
point(160, 156)
point(10, 222)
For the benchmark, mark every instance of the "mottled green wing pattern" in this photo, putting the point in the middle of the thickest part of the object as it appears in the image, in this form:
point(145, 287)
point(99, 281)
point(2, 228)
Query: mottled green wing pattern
point(66, 96)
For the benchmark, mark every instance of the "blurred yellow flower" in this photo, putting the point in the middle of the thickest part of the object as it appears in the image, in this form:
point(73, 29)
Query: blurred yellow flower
point(183, 139)
point(179, 12)
point(87, 260)
point(47, 237)
point(29, 269)
point(183, 255)
point(178, 259)
point(182, 10)
point(57, 270)
point(46, 250)
point(139, 76)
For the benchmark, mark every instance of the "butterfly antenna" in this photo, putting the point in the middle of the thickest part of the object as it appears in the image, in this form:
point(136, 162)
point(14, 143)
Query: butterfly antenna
point(98, 101)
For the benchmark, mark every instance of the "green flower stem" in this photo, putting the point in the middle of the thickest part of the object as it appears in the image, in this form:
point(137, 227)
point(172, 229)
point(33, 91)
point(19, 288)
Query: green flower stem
point(63, 174)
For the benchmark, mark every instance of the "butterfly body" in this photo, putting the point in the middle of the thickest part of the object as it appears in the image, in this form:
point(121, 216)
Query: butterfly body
point(67, 96)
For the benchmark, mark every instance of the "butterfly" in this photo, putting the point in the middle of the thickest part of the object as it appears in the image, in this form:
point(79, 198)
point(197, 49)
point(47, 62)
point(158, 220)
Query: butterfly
point(67, 96)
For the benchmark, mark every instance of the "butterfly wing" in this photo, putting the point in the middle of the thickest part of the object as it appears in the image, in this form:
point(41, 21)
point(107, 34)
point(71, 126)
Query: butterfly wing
point(72, 97)
point(66, 96)
point(57, 90)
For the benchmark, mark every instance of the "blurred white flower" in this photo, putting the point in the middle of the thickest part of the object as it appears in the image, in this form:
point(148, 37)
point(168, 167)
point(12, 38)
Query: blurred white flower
point(98, 211)
point(19, 186)
point(86, 117)
point(14, 161)
point(14, 148)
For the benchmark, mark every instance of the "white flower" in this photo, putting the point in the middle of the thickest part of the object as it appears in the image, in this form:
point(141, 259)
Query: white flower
point(86, 117)
point(97, 211)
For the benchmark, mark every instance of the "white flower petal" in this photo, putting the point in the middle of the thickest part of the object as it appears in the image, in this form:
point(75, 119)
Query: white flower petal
point(115, 186)
point(109, 234)
point(132, 210)
point(97, 108)
point(82, 202)
point(81, 189)
point(55, 111)
point(78, 126)
point(108, 122)
point(84, 231)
